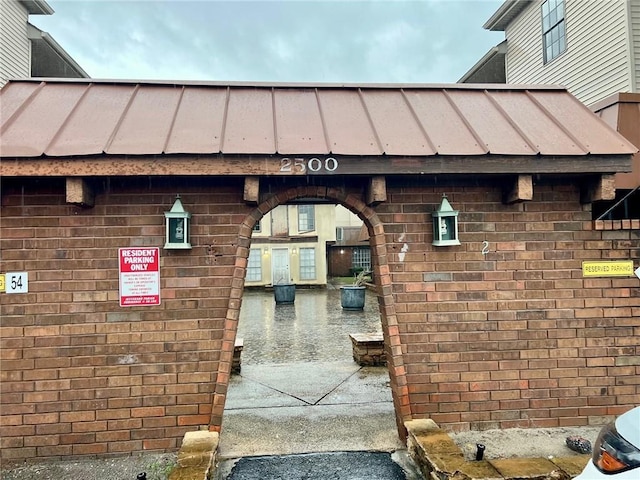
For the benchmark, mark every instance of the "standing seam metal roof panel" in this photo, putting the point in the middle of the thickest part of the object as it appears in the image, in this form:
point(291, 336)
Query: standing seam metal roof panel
point(545, 135)
point(10, 104)
point(299, 122)
point(50, 108)
point(66, 118)
point(446, 130)
point(147, 122)
point(493, 128)
point(397, 127)
point(199, 121)
point(98, 112)
point(348, 127)
point(586, 128)
point(250, 122)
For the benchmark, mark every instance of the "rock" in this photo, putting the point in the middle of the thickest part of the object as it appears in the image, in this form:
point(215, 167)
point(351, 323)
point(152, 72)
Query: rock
point(578, 444)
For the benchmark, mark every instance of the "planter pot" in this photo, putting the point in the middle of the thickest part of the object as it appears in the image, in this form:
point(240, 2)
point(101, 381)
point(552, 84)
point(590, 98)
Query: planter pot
point(352, 297)
point(284, 294)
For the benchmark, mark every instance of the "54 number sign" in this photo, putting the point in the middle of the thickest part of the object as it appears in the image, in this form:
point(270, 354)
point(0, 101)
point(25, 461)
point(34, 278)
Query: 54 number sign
point(17, 282)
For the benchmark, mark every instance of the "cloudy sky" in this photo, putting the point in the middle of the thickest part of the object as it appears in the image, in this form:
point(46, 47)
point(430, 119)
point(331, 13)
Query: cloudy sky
point(381, 41)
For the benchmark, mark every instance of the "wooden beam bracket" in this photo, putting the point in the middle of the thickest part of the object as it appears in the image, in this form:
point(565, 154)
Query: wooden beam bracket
point(79, 192)
point(602, 187)
point(251, 190)
point(520, 190)
point(376, 190)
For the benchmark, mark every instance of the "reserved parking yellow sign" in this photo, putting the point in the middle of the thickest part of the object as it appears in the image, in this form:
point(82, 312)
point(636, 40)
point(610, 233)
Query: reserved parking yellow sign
point(611, 268)
point(1, 282)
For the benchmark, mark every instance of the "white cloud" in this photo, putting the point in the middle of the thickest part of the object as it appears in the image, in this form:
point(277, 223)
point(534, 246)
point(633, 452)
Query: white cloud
point(346, 41)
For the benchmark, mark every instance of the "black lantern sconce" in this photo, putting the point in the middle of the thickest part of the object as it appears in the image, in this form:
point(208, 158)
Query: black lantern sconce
point(177, 227)
point(445, 225)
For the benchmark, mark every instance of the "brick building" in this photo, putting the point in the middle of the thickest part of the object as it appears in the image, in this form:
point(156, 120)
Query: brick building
point(502, 330)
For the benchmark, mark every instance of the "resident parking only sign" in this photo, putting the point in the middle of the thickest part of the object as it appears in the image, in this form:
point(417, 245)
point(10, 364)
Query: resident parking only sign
point(139, 276)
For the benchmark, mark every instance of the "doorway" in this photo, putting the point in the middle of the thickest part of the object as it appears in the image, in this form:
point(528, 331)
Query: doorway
point(299, 389)
point(382, 298)
point(280, 266)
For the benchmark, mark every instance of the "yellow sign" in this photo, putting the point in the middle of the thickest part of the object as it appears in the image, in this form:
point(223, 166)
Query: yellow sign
point(611, 268)
point(1, 282)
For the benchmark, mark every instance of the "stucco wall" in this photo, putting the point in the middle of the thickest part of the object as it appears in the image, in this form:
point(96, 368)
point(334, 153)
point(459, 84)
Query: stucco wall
point(513, 337)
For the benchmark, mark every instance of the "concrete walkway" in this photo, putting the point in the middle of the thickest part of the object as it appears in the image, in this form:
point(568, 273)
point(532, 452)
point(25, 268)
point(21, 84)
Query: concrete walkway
point(299, 390)
point(308, 407)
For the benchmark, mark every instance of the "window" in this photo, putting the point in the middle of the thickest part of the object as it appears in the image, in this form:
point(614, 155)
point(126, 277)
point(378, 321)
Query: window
point(553, 29)
point(361, 259)
point(254, 266)
point(258, 226)
point(307, 264)
point(306, 218)
point(339, 234)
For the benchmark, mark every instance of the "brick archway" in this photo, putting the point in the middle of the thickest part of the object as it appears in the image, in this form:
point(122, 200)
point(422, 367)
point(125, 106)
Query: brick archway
point(395, 362)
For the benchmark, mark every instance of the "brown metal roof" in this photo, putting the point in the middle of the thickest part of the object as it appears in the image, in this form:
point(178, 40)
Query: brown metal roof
point(63, 118)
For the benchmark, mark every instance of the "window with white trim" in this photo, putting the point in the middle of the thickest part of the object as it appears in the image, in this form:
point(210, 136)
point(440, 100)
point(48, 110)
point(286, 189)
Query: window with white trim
point(254, 266)
point(554, 40)
point(306, 218)
point(307, 264)
point(258, 226)
point(361, 259)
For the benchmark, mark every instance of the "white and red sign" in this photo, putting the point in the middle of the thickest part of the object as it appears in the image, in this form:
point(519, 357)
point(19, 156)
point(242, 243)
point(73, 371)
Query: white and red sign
point(139, 276)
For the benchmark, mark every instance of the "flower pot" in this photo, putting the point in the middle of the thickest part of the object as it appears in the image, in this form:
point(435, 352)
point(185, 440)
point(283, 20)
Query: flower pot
point(284, 293)
point(352, 297)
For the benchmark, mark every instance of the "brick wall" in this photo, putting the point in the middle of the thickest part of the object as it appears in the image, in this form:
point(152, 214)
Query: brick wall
point(340, 263)
point(81, 375)
point(515, 337)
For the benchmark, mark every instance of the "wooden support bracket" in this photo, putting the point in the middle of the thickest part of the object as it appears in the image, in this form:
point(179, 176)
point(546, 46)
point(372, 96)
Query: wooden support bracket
point(79, 192)
point(521, 190)
point(376, 191)
point(602, 187)
point(251, 190)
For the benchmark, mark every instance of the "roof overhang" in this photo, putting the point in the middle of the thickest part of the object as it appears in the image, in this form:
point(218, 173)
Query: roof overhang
point(49, 59)
point(490, 68)
point(509, 10)
point(37, 7)
point(116, 128)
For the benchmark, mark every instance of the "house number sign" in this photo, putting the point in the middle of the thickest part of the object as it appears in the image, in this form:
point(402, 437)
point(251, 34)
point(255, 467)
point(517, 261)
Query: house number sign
point(308, 165)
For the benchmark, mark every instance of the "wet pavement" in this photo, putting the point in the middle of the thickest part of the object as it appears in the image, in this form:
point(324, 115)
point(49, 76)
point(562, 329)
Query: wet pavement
point(326, 466)
point(300, 393)
point(314, 328)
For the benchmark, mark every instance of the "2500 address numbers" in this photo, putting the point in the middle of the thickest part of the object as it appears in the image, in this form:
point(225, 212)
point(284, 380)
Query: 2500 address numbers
point(304, 165)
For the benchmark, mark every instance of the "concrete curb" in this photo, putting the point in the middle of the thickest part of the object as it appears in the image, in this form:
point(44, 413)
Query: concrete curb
point(439, 458)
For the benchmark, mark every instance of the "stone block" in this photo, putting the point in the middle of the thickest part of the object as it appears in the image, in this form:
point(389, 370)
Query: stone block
point(528, 468)
point(196, 458)
point(573, 465)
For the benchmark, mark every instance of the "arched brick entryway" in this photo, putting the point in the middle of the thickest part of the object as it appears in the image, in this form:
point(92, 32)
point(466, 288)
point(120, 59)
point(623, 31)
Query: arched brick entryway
point(389, 322)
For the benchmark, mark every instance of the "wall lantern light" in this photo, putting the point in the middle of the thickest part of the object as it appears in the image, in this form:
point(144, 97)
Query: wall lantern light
point(445, 224)
point(177, 227)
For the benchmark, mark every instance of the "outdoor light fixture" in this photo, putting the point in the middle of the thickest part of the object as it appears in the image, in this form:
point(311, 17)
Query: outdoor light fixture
point(445, 224)
point(177, 227)
point(294, 251)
